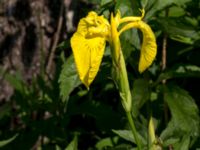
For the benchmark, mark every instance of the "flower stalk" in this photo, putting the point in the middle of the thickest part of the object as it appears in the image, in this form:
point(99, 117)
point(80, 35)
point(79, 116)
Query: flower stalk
point(124, 90)
point(133, 129)
point(121, 77)
point(120, 67)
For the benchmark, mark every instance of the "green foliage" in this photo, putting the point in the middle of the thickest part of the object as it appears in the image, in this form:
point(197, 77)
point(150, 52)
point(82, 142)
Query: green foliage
point(127, 135)
point(60, 113)
point(185, 120)
point(181, 30)
point(14, 80)
point(73, 144)
point(68, 79)
point(140, 95)
point(106, 142)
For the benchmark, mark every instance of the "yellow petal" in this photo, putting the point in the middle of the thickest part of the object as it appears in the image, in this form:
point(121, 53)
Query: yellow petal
point(88, 45)
point(88, 54)
point(149, 47)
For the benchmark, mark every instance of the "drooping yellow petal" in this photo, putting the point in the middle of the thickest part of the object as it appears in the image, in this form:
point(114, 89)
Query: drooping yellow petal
point(149, 47)
point(88, 45)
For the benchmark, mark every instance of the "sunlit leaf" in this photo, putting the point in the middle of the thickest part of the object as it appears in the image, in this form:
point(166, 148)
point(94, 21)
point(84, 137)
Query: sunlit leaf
point(106, 142)
point(73, 144)
point(128, 135)
point(5, 142)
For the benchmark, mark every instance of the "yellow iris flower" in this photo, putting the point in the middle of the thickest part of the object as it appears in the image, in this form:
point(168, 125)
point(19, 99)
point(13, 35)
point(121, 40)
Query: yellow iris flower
point(88, 42)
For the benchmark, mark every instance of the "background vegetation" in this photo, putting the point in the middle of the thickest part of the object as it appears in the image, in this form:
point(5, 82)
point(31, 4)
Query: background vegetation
point(43, 105)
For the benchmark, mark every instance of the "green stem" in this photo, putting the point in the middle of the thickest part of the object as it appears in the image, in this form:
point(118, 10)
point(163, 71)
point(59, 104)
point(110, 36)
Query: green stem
point(121, 78)
point(133, 129)
point(123, 84)
point(126, 97)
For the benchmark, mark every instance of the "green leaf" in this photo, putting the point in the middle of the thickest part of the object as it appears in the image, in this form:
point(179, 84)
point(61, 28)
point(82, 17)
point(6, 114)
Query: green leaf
point(68, 79)
point(106, 142)
point(73, 145)
point(184, 144)
point(181, 71)
point(63, 45)
point(130, 41)
point(185, 114)
point(175, 11)
point(103, 2)
point(144, 3)
point(5, 142)
point(170, 141)
point(125, 8)
point(57, 147)
point(140, 94)
point(128, 135)
point(125, 134)
point(153, 6)
point(179, 29)
point(15, 80)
